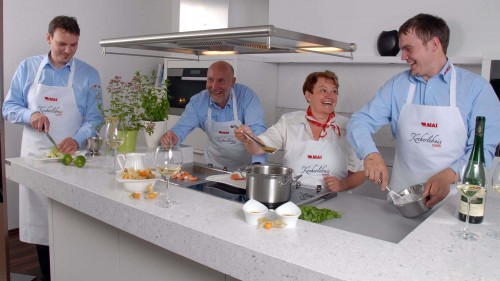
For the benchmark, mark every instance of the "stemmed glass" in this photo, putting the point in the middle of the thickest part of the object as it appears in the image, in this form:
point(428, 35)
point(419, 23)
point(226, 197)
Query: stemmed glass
point(469, 191)
point(167, 161)
point(114, 137)
point(495, 184)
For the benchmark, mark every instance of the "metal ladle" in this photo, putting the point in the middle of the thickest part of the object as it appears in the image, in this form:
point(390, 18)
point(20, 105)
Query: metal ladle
point(267, 149)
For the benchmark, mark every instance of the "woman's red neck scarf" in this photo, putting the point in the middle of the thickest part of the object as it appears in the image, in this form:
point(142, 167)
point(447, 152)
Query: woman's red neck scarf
point(329, 123)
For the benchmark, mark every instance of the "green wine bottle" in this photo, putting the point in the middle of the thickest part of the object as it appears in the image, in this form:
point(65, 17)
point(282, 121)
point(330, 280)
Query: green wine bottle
point(475, 175)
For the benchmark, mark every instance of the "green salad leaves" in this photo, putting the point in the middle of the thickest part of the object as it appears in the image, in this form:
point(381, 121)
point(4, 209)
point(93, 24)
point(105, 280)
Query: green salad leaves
point(314, 214)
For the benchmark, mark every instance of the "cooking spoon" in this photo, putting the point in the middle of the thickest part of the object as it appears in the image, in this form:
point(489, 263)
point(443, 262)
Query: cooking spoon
point(267, 149)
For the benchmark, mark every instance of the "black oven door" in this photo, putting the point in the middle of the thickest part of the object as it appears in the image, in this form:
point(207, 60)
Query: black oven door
point(185, 83)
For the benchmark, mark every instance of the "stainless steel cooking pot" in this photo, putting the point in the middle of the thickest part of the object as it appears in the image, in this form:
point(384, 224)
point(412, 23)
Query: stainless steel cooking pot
point(270, 185)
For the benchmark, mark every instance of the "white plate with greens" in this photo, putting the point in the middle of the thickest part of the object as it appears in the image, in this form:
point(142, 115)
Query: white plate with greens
point(44, 155)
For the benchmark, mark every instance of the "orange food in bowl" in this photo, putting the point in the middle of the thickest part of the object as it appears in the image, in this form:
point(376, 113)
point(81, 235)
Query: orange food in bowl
point(132, 174)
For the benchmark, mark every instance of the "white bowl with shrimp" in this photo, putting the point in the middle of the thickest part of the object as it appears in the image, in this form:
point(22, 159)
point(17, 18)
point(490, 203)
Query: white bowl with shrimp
point(135, 185)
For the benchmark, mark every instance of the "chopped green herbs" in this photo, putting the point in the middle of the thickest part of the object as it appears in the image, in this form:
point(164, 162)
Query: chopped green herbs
point(313, 214)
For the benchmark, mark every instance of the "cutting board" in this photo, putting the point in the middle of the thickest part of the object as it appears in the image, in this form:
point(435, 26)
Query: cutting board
point(226, 179)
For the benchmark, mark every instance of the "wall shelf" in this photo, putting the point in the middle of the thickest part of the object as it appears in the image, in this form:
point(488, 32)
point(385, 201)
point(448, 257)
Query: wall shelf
point(314, 58)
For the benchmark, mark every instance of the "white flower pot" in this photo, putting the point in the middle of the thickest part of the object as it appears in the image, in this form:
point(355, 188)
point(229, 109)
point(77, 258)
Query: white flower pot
point(153, 140)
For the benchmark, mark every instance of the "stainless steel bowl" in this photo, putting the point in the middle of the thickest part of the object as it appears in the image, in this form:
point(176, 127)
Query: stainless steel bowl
point(415, 202)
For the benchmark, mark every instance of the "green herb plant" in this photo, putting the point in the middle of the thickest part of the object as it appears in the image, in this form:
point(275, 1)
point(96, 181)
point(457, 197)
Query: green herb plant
point(136, 101)
point(154, 101)
point(125, 102)
point(314, 214)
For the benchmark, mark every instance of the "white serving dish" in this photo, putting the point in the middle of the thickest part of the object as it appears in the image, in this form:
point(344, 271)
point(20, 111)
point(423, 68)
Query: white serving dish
point(254, 210)
point(42, 155)
point(288, 213)
point(131, 185)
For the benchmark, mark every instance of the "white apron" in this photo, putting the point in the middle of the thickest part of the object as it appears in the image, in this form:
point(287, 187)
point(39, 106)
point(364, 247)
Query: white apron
point(222, 148)
point(315, 159)
point(429, 139)
point(59, 105)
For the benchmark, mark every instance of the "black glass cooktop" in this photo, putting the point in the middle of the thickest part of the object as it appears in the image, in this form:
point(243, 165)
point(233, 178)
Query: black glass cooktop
point(301, 196)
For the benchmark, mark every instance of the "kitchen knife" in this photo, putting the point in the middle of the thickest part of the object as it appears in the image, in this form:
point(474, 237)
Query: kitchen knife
point(51, 139)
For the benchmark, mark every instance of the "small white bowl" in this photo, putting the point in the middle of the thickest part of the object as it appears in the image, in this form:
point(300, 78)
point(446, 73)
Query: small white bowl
point(289, 213)
point(134, 185)
point(254, 210)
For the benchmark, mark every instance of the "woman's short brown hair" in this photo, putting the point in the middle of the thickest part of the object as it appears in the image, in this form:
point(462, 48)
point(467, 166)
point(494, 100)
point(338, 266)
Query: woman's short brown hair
point(312, 79)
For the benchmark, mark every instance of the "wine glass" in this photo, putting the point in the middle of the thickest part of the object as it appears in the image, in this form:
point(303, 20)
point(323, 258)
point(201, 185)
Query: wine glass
point(495, 184)
point(167, 161)
point(114, 136)
point(470, 189)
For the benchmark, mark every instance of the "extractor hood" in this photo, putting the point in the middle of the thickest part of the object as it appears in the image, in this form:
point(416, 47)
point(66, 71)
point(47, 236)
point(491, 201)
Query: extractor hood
point(225, 27)
point(264, 39)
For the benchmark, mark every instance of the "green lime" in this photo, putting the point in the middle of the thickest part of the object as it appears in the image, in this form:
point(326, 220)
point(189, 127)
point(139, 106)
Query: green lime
point(66, 159)
point(80, 161)
point(54, 153)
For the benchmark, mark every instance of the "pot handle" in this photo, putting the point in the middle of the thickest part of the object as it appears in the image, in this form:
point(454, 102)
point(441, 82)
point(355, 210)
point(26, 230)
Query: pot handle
point(294, 179)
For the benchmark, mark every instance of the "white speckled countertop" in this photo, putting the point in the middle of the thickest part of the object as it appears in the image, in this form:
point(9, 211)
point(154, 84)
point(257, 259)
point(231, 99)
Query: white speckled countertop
point(212, 231)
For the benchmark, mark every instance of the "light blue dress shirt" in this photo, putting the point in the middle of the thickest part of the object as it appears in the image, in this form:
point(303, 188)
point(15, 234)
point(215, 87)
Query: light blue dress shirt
point(86, 86)
point(475, 97)
point(250, 113)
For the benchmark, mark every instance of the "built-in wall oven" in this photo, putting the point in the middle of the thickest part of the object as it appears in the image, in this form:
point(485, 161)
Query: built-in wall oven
point(184, 83)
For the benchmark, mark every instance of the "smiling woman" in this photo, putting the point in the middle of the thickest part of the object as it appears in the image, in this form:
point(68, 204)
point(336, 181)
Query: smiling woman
point(314, 140)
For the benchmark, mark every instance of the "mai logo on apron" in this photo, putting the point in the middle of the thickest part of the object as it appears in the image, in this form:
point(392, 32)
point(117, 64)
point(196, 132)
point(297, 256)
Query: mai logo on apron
point(52, 105)
point(427, 137)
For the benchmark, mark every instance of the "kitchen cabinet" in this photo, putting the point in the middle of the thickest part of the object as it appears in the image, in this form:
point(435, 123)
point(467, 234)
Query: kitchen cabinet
point(381, 60)
point(491, 71)
point(491, 66)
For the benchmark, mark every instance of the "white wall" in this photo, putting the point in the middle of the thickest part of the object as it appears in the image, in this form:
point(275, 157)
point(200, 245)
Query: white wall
point(474, 24)
point(25, 26)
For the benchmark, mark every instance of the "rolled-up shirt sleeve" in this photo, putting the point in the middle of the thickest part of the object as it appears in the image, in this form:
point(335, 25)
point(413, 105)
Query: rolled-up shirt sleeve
point(15, 107)
point(87, 101)
point(367, 121)
point(194, 116)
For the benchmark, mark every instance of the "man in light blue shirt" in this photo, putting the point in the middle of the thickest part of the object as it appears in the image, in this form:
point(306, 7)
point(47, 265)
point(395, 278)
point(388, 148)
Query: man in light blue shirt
point(223, 104)
point(432, 109)
point(57, 93)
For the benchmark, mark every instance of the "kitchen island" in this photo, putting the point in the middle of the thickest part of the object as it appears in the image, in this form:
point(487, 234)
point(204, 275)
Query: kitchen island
point(98, 233)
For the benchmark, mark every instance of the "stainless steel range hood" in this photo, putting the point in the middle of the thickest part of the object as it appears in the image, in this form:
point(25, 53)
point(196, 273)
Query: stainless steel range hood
point(264, 39)
point(226, 27)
